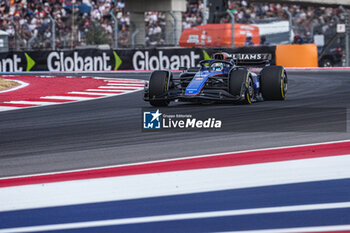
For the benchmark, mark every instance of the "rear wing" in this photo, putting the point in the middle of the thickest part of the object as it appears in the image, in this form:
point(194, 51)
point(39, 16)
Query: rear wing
point(252, 59)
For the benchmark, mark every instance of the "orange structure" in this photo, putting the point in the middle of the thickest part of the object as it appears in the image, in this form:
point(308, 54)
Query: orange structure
point(218, 35)
point(295, 55)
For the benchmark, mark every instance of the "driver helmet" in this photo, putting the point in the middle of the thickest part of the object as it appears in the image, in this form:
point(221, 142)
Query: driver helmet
point(218, 66)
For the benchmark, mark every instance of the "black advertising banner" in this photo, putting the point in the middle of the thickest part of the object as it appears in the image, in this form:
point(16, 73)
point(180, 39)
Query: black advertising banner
point(73, 60)
point(154, 59)
point(15, 62)
point(123, 59)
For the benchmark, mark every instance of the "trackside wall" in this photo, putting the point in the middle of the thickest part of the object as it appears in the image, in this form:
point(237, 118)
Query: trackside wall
point(148, 59)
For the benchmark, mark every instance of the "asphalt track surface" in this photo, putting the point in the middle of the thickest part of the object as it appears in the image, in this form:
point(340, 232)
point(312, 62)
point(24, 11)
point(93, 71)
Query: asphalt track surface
point(108, 131)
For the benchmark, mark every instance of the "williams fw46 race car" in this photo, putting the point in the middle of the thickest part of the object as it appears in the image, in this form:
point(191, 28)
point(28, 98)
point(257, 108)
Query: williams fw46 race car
point(220, 79)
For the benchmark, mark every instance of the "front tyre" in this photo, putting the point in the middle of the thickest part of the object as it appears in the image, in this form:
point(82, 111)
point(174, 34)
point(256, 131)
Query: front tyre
point(241, 84)
point(273, 83)
point(158, 88)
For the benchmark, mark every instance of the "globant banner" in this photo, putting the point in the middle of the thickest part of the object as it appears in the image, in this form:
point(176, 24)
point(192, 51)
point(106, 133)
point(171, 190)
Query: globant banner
point(123, 59)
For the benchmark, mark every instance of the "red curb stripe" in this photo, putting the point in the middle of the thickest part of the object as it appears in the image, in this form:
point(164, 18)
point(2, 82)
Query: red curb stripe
point(17, 105)
point(40, 87)
point(330, 232)
point(223, 160)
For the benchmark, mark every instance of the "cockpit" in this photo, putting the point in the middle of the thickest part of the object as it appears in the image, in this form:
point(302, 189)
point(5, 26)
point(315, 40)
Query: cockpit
point(217, 66)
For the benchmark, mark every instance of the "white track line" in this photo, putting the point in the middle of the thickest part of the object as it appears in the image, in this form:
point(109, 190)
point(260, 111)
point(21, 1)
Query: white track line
point(43, 103)
point(126, 82)
point(177, 217)
point(116, 91)
point(67, 98)
point(298, 229)
point(90, 93)
point(125, 85)
point(112, 87)
point(5, 108)
point(119, 80)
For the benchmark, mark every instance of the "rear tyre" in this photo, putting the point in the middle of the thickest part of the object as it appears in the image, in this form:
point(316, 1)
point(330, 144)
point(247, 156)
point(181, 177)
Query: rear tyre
point(241, 84)
point(273, 83)
point(158, 87)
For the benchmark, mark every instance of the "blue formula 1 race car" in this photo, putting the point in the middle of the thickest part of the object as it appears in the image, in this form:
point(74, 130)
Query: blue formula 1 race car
point(217, 80)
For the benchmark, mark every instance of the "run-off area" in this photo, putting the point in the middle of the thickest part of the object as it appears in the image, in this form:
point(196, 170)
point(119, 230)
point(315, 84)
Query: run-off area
point(296, 189)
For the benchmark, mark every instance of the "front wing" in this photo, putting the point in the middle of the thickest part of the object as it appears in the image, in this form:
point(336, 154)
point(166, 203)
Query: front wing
point(205, 95)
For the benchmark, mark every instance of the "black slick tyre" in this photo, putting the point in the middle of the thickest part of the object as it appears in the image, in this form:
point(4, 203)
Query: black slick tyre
point(241, 85)
point(158, 87)
point(274, 82)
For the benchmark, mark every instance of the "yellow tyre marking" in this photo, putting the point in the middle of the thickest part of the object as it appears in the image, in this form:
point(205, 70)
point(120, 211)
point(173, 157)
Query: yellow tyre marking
point(247, 85)
point(282, 80)
point(248, 99)
point(247, 80)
